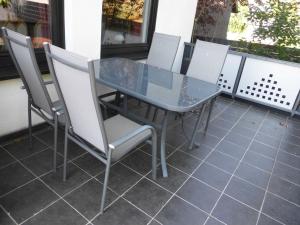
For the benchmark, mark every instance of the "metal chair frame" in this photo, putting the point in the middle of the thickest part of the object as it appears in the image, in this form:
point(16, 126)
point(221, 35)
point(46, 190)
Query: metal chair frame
point(31, 104)
point(106, 156)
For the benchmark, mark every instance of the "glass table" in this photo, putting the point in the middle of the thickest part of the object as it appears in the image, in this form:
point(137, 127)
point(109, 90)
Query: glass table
point(169, 91)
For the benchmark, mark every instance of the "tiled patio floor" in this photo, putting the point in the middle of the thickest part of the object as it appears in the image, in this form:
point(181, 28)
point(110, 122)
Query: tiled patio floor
point(246, 171)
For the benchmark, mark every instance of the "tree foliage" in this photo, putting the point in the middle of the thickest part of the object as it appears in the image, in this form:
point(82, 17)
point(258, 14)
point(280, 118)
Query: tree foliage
point(277, 20)
point(4, 3)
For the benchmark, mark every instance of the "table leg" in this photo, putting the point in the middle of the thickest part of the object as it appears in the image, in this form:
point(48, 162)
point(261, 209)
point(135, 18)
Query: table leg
point(196, 127)
point(163, 144)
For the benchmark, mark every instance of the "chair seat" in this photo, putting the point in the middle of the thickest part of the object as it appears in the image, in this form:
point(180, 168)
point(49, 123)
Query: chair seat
point(104, 90)
point(117, 127)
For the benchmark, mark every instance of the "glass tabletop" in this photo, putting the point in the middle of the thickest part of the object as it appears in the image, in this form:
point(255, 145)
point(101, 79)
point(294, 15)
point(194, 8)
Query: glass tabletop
point(165, 89)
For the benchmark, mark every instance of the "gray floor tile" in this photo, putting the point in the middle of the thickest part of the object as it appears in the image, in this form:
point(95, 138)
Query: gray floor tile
point(285, 189)
point(47, 136)
point(12, 177)
point(289, 159)
point(212, 221)
point(42, 162)
point(20, 148)
point(238, 139)
point(178, 212)
point(28, 200)
point(287, 173)
point(212, 176)
point(121, 178)
point(154, 223)
point(243, 131)
point(5, 158)
point(290, 148)
point(122, 212)
point(75, 177)
point(148, 149)
point(87, 198)
point(200, 151)
point(253, 175)
point(139, 161)
point(234, 213)
point(281, 210)
point(174, 139)
point(199, 194)
point(259, 161)
point(183, 162)
point(174, 180)
point(268, 140)
point(223, 161)
point(74, 150)
point(226, 124)
point(207, 139)
point(265, 220)
point(216, 131)
point(263, 149)
point(245, 192)
point(5, 219)
point(57, 214)
point(231, 149)
point(90, 164)
point(292, 139)
point(148, 196)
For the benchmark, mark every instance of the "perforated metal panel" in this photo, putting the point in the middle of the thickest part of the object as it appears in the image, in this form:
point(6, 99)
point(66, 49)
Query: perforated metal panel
point(272, 83)
point(229, 73)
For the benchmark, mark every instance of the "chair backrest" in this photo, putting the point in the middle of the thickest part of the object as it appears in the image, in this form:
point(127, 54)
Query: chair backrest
point(22, 53)
point(163, 50)
point(207, 61)
point(74, 79)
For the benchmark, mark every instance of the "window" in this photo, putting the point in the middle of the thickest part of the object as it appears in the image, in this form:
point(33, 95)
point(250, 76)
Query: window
point(127, 27)
point(42, 20)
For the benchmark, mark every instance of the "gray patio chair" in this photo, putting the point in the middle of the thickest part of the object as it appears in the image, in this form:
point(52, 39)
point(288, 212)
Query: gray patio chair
point(162, 54)
point(39, 101)
point(163, 50)
point(207, 64)
point(107, 140)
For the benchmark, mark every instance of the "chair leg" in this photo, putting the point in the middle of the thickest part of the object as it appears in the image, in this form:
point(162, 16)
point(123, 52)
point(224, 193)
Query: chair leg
point(209, 114)
point(196, 127)
point(154, 154)
point(30, 123)
point(107, 170)
point(148, 111)
point(55, 141)
point(65, 154)
point(155, 115)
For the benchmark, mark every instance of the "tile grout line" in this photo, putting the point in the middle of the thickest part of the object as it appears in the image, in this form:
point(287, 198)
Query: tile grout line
point(8, 214)
point(51, 189)
point(269, 181)
point(223, 192)
point(193, 172)
point(94, 177)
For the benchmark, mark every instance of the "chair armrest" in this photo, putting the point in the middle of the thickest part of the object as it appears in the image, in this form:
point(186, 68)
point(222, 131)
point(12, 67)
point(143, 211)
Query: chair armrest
point(48, 82)
point(128, 137)
point(57, 108)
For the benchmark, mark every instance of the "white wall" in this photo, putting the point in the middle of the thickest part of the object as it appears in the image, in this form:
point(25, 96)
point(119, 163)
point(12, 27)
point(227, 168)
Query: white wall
point(176, 17)
point(83, 27)
point(13, 102)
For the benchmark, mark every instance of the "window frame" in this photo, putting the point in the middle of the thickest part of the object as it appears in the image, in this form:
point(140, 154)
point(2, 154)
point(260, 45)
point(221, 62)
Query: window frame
point(133, 51)
point(7, 68)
